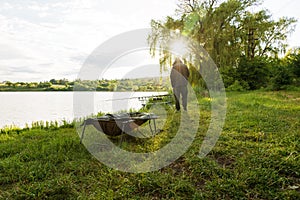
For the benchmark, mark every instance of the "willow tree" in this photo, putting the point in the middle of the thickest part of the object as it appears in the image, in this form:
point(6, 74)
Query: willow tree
point(225, 29)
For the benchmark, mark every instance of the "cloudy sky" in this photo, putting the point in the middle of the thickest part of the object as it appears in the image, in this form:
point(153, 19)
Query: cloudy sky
point(44, 39)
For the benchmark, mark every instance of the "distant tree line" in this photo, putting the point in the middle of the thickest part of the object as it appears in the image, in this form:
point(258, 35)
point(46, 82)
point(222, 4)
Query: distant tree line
point(146, 84)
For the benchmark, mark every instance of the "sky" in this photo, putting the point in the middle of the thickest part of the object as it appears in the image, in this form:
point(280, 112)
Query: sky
point(45, 39)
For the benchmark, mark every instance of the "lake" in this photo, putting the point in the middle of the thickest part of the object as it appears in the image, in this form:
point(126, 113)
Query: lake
point(19, 108)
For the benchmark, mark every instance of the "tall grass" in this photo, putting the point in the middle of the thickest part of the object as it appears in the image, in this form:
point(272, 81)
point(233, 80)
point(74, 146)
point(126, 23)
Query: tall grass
point(40, 125)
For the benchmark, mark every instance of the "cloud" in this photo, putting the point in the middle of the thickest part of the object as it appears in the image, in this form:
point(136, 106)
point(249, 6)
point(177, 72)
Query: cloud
point(10, 52)
point(62, 33)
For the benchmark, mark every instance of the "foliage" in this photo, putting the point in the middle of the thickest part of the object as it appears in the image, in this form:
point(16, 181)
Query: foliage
point(281, 75)
point(254, 72)
point(227, 30)
point(292, 60)
point(233, 36)
point(236, 86)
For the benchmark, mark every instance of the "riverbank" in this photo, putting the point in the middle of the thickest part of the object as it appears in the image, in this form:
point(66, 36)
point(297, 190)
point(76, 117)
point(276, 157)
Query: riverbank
point(256, 157)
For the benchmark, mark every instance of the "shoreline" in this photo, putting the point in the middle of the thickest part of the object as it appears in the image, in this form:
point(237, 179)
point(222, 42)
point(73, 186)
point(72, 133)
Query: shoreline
point(141, 97)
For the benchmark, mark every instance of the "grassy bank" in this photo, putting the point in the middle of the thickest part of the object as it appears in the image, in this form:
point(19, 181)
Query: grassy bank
point(256, 157)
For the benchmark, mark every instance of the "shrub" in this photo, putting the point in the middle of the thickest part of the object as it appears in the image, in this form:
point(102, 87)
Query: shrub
point(238, 86)
point(254, 72)
point(281, 78)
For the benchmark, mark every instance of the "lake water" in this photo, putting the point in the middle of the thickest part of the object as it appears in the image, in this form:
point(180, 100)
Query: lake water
point(19, 108)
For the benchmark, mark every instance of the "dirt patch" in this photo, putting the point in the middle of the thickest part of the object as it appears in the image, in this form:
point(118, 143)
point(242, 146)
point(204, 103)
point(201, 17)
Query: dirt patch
point(225, 162)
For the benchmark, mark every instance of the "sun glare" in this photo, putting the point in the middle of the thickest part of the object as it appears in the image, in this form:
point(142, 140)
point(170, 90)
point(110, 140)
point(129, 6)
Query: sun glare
point(179, 47)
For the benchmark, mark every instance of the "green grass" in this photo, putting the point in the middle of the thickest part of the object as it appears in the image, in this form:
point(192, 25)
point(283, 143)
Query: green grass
point(256, 157)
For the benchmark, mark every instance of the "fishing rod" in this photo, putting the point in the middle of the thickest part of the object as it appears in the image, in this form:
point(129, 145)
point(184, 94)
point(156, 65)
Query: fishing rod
point(142, 98)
